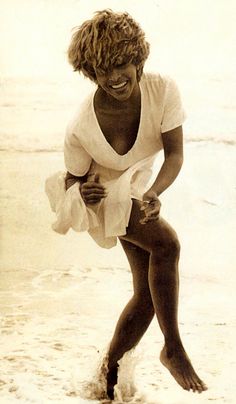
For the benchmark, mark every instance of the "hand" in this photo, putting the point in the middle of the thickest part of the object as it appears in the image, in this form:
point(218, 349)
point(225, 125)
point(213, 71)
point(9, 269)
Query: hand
point(92, 191)
point(151, 206)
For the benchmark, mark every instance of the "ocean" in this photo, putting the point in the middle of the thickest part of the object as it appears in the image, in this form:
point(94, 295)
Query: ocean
point(34, 112)
point(194, 42)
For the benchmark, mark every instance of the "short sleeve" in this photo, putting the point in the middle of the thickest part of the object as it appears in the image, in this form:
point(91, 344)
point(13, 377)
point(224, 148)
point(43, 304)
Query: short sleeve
point(77, 160)
point(173, 113)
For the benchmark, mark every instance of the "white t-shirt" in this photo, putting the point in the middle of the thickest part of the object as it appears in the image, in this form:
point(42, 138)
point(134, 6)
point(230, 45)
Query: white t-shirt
point(124, 176)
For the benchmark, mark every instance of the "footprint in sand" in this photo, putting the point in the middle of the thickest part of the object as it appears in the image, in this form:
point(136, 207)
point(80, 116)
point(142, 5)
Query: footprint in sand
point(58, 346)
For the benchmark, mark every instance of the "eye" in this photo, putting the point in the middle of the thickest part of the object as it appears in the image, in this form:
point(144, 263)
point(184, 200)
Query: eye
point(122, 61)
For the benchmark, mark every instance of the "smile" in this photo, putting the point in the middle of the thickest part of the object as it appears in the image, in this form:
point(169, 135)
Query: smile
point(120, 85)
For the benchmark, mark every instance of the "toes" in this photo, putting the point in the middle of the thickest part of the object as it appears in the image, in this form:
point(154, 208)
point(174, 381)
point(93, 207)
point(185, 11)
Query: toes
point(193, 387)
point(199, 386)
point(203, 386)
point(188, 384)
point(184, 383)
point(192, 382)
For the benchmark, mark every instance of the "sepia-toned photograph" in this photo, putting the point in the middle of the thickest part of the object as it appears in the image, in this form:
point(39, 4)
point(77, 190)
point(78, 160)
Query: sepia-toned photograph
point(118, 201)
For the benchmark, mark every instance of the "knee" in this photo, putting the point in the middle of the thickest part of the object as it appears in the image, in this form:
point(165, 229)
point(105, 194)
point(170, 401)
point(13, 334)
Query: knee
point(144, 305)
point(168, 248)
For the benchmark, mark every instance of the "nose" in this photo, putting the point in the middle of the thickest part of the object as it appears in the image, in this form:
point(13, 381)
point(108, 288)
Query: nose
point(115, 75)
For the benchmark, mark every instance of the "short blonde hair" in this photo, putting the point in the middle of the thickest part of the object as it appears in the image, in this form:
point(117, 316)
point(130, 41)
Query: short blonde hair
point(107, 40)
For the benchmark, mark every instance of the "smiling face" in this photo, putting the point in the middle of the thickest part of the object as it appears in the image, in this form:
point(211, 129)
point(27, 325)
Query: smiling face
point(120, 83)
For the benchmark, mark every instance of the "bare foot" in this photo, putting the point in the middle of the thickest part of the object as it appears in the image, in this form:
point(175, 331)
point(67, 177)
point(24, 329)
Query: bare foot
point(181, 369)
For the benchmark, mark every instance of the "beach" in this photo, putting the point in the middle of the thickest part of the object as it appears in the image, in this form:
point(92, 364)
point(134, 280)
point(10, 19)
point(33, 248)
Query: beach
point(55, 290)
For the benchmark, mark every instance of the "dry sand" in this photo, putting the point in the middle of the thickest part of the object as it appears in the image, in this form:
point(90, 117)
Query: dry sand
point(61, 295)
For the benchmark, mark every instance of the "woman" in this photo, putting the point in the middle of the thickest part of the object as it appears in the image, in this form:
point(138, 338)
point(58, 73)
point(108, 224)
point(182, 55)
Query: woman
point(110, 147)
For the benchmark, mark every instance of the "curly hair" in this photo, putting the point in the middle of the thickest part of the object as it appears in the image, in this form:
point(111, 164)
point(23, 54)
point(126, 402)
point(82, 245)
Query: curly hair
point(109, 39)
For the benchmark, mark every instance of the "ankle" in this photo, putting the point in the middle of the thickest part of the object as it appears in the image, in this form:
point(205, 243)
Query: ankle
point(173, 348)
point(112, 366)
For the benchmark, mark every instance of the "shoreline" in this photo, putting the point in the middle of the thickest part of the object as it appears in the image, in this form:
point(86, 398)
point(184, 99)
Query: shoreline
point(195, 141)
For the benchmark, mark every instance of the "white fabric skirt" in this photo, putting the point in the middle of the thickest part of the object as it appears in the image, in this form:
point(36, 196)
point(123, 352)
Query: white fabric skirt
point(108, 219)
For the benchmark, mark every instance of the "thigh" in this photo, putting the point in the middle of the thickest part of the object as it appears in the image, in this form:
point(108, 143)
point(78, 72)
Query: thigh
point(139, 264)
point(155, 233)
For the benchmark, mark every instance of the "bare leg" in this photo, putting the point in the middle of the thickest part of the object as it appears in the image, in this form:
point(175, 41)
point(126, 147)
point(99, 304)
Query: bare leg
point(160, 240)
point(136, 316)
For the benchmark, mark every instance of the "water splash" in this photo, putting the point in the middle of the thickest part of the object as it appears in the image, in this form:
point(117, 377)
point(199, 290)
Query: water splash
point(125, 390)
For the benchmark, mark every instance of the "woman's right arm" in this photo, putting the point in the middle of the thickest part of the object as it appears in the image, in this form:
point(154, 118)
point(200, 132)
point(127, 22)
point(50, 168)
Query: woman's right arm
point(71, 179)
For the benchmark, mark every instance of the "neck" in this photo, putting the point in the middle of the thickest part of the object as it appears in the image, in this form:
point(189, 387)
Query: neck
point(106, 100)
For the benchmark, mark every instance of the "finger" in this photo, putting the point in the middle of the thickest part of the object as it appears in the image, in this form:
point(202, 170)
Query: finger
point(142, 221)
point(89, 185)
point(149, 219)
point(153, 211)
point(92, 177)
point(92, 185)
point(93, 191)
point(144, 205)
point(96, 178)
point(151, 215)
point(94, 197)
point(146, 220)
point(150, 203)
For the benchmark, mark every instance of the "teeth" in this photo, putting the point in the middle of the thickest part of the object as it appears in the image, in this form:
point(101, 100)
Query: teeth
point(115, 86)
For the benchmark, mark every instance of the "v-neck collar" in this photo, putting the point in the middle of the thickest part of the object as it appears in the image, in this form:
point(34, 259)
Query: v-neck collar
point(102, 136)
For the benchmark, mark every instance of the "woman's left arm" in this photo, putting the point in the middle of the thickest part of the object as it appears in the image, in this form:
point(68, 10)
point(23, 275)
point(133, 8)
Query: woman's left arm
point(173, 153)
